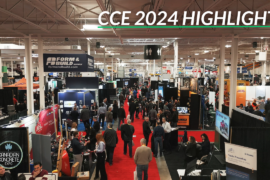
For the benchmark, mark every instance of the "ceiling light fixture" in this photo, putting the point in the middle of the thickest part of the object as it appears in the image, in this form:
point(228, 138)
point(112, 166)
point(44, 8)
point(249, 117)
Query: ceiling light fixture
point(196, 54)
point(257, 51)
point(102, 46)
point(206, 51)
point(164, 46)
point(91, 27)
point(228, 45)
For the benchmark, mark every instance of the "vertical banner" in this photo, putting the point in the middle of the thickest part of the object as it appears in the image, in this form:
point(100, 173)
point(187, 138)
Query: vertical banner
point(241, 162)
point(14, 153)
point(212, 98)
point(241, 95)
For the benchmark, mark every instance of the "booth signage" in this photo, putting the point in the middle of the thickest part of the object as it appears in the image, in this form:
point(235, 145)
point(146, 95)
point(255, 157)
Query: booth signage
point(241, 162)
point(68, 63)
point(244, 70)
point(189, 67)
point(11, 154)
point(152, 52)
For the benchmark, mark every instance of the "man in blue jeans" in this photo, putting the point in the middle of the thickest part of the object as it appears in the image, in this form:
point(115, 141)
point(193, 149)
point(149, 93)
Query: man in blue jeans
point(159, 135)
point(142, 157)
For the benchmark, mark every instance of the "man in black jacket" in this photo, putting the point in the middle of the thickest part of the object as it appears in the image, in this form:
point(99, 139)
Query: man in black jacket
point(257, 112)
point(127, 131)
point(146, 129)
point(4, 175)
point(121, 115)
point(96, 124)
point(77, 150)
point(74, 115)
point(153, 117)
point(85, 116)
point(111, 140)
point(132, 109)
point(121, 98)
point(137, 108)
point(249, 108)
point(174, 119)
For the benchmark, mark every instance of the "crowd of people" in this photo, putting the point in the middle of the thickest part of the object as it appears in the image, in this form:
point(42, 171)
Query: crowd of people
point(260, 108)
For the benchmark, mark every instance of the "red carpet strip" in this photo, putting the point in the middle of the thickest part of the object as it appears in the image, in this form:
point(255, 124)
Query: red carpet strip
point(123, 166)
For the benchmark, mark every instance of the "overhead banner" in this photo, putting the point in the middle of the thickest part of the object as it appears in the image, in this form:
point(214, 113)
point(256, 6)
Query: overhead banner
point(14, 154)
point(68, 63)
point(241, 162)
point(152, 52)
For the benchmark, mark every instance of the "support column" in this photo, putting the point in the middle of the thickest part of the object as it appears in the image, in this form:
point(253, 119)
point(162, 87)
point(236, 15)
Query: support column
point(233, 76)
point(253, 72)
point(112, 69)
point(154, 67)
point(28, 69)
point(1, 73)
point(105, 72)
point(221, 73)
point(41, 74)
point(264, 67)
point(11, 66)
point(161, 69)
point(175, 59)
point(204, 69)
point(88, 47)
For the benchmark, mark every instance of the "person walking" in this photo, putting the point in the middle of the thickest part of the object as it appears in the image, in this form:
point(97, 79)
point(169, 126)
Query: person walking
point(167, 129)
point(101, 113)
point(121, 115)
point(74, 115)
point(153, 117)
point(101, 155)
point(115, 110)
point(142, 157)
point(121, 98)
point(109, 115)
point(159, 135)
point(85, 116)
point(146, 129)
point(174, 118)
point(94, 109)
point(132, 109)
point(90, 137)
point(127, 131)
point(96, 124)
point(111, 140)
point(77, 149)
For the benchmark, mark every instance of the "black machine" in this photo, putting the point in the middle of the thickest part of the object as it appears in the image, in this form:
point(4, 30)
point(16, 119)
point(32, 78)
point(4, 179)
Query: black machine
point(206, 172)
point(191, 166)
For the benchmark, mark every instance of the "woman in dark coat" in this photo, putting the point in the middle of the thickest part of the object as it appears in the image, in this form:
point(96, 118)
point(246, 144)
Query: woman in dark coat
point(115, 110)
point(205, 145)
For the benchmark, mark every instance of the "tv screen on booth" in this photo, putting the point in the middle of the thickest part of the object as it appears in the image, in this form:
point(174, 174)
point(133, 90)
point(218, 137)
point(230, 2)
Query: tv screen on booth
point(223, 124)
point(182, 110)
point(69, 104)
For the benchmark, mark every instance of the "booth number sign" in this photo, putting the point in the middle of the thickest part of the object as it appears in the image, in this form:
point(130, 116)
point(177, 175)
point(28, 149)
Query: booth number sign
point(11, 154)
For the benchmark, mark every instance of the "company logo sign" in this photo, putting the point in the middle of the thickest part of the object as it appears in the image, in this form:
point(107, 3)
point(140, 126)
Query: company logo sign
point(11, 154)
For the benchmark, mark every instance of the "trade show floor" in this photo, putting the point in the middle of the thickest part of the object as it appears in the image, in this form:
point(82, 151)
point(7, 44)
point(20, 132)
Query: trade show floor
point(123, 166)
point(175, 161)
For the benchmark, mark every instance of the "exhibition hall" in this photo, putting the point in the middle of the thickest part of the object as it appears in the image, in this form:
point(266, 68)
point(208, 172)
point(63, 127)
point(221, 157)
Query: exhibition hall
point(143, 90)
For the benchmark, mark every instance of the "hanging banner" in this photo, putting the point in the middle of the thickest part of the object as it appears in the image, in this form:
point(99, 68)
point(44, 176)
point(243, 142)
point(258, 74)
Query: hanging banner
point(241, 162)
point(14, 154)
point(241, 95)
point(68, 63)
point(152, 52)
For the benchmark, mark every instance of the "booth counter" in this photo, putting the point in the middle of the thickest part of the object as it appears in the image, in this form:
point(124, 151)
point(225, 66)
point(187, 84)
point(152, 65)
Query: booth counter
point(183, 120)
